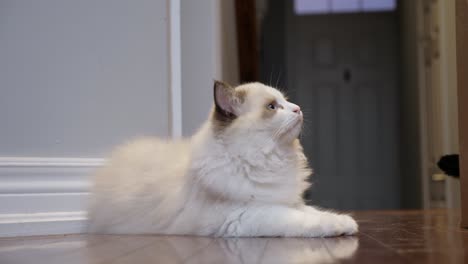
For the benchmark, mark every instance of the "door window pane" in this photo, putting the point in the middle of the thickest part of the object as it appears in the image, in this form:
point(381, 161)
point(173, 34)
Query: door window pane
point(307, 7)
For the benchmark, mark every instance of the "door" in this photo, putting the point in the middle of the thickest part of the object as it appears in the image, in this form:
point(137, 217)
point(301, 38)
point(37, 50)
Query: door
point(342, 70)
point(462, 77)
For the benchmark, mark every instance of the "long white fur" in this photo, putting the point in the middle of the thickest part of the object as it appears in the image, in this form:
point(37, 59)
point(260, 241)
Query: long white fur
point(244, 180)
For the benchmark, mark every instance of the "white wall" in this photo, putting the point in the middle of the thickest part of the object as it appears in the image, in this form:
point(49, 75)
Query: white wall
point(198, 68)
point(209, 51)
point(429, 96)
point(448, 79)
point(447, 93)
point(77, 77)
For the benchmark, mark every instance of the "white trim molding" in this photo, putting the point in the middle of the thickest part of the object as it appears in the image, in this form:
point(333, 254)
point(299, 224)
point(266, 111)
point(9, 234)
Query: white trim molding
point(53, 223)
point(41, 196)
point(50, 162)
point(175, 69)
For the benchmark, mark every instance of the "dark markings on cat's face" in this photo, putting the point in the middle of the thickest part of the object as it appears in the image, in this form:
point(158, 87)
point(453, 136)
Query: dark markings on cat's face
point(227, 101)
point(221, 120)
point(255, 108)
point(270, 107)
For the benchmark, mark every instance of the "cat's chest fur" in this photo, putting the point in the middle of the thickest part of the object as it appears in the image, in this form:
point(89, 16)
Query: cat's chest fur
point(263, 165)
point(249, 170)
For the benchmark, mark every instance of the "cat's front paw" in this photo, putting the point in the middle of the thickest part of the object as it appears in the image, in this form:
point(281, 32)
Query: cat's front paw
point(338, 225)
point(349, 225)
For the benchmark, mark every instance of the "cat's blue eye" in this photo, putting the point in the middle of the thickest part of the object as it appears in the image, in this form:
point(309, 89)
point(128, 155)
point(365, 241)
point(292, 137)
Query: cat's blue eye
point(271, 106)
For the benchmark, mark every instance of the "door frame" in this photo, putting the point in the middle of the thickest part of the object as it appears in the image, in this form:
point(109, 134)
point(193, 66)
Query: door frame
point(462, 73)
point(247, 41)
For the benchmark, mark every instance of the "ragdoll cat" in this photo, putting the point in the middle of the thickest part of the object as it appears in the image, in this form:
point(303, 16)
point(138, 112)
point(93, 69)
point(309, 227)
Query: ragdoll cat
point(242, 174)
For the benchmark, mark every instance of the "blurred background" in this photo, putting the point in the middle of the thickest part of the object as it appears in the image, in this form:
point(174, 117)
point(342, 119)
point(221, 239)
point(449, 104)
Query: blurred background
point(376, 80)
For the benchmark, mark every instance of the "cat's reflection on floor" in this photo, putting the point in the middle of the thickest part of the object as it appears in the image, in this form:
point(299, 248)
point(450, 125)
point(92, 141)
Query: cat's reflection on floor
point(193, 249)
point(176, 249)
point(263, 250)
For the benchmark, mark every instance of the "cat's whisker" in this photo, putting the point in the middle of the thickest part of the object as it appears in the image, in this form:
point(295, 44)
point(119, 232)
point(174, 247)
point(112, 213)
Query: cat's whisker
point(285, 126)
point(307, 122)
point(305, 132)
point(292, 91)
point(277, 80)
point(271, 75)
point(281, 128)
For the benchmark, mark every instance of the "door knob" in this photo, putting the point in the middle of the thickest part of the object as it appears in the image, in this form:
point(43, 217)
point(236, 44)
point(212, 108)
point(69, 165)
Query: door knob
point(347, 75)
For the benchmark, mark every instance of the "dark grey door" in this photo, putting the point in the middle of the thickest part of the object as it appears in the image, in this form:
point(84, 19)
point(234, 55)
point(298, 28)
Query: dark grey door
point(342, 70)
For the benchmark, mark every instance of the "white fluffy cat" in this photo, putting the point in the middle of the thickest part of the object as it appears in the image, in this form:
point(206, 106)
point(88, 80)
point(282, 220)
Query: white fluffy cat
point(242, 174)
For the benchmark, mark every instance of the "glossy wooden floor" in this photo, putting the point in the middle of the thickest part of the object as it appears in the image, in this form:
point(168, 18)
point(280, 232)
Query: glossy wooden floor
point(385, 237)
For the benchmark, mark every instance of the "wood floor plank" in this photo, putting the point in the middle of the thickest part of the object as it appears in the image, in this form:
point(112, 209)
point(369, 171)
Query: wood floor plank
point(385, 237)
point(37, 249)
point(167, 249)
point(111, 249)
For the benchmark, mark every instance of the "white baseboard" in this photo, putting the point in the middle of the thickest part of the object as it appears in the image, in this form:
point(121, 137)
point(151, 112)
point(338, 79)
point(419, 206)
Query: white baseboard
point(42, 196)
point(12, 225)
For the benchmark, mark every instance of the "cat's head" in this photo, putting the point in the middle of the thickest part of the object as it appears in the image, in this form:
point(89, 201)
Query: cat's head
point(255, 108)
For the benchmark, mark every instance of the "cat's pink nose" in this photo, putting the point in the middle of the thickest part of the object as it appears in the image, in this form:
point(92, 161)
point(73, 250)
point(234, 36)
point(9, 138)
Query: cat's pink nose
point(296, 109)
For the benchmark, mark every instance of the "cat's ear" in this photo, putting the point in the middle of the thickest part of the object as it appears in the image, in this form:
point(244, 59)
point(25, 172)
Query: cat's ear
point(225, 99)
